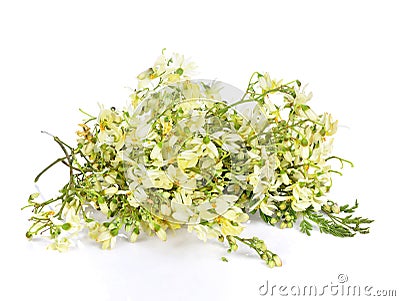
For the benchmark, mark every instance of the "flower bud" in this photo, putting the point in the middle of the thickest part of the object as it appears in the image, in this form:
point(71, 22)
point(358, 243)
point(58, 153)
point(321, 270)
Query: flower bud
point(335, 208)
point(271, 263)
point(277, 260)
point(206, 140)
point(282, 206)
point(156, 227)
point(133, 237)
point(66, 226)
point(114, 232)
point(327, 208)
point(273, 221)
point(304, 142)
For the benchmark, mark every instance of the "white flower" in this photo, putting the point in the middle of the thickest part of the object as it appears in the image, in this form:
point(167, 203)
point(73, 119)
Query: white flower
point(187, 159)
point(267, 206)
point(182, 197)
point(191, 92)
point(311, 114)
point(156, 156)
point(288, 156)
point(224, 202)
point(180, 178)
point(203, 148)
point(266, 83)
point(138, 176)
point(187, 67)
point(161, 234)
point(212, 91)
point(110, 191)
point(304, 152)
point(181, 212)
point(231, 219)
point(303, 198)
point(220, 204)
point(159, 179)
point(165, 210)
point(210, 149)
point(74, 220)
point(330, 124)
point(232, 142)
point(285, 178)
point(236, 214)
point(203, 232)
point(301, 96)
point(88, 148)
point(254, 178)
point(60, 244)
point(104, 236)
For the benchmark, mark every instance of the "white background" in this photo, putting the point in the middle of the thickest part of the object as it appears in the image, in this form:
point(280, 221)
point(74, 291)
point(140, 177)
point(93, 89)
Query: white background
point(58, 56)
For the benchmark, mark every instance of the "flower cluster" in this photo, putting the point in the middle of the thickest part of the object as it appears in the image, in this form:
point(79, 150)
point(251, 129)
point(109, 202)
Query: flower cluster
point(184, 155)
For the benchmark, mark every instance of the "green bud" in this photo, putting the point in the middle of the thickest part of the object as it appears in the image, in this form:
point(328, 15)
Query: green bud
point(273, 221)
point(234, 247)
point(206, 139)
point(336, 208)
point(277, 260)
point(282, 206)
point(288, 218)
point(290, 225)
point(283, 225)
point(66, 226)
point(304, 142)
point(114, 232)
point(157, 227)
point(179, 71)
point(271, 263)
point(28, 235)
point(327, 208)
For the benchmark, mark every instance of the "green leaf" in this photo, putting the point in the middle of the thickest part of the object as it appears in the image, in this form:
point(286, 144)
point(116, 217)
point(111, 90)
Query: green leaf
point(264, 217)
point(306, 227)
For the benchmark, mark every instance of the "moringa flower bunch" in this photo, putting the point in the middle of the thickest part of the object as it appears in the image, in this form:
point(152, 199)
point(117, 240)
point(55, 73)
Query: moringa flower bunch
point(200, 155)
